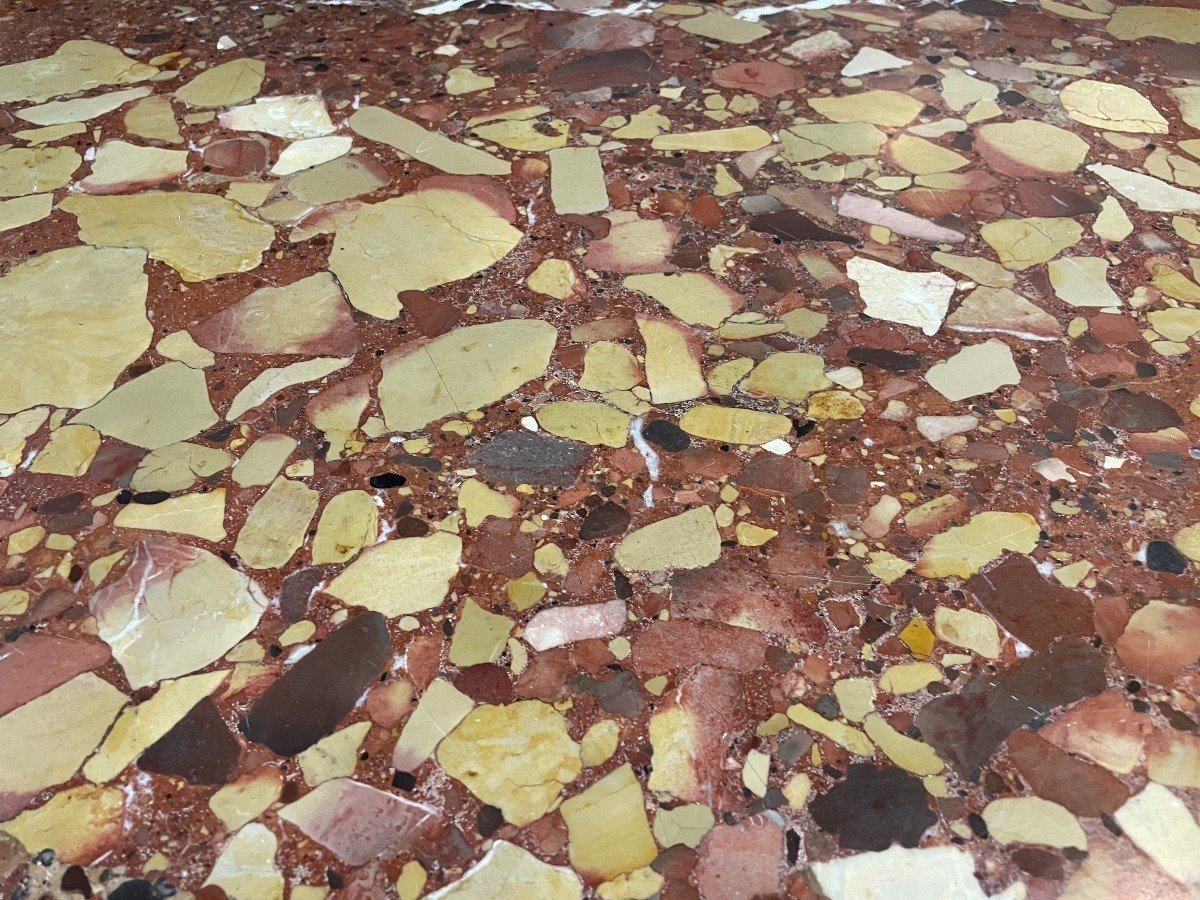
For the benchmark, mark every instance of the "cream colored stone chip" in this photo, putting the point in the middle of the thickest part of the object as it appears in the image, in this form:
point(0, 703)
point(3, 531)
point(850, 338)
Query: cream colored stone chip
point(36, 170)
point(276, 525)
point(1032, 820)
point(75, 66)
point(246, 866)
point(695, 297)
point(227, 84)
point(607, 828)
point(689, 540)
point(165, 405)
point(430, 147)
point(402, 576)
point(505, 865)
point(349, 522)
point(974, 370)
point(965, 549)
point(1113, 107)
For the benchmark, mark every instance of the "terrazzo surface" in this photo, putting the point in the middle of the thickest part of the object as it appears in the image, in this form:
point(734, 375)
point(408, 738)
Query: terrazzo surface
point(562, 450)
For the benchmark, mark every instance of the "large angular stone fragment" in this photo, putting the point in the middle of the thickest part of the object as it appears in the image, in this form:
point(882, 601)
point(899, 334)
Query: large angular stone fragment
point(609, 832)
point(695, 297)
point(516, 757)
point(965, 549)
point(1160, 639)
point(33, 664)
point(525, 457)
point(1029, 148)
point(225, 85)
point(36, 170)
point(75, 66)
point(1114, 107)
point(47, 739)
point(308, 316)
point(80, 824)
point(277, 524)
point(1147, 192)
point(974, 370)
point(359, 823)
point(163, 406)
point(919, 299)
point(401, 576)
point(466, 369)
point(443, 231)
point(292, 117)
point(505, 865)
point(1034, 609)
point(1160, 825)
point(315, 694)
point(430, 147)
point(175, 610)
point(689, 540)
point(906, 872)
point(200, 236)
point(199, 748)
point(73, 320)
point(1175, 23)
point(246, 867)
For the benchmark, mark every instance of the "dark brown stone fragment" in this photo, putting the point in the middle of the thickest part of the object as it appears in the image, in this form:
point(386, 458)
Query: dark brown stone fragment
point(200, 748)
point(1138, 412)
point(1034, 609)
point(311, 697)
point(1054, 774)
point(791, 227)
point(1050, 200)
point(432, 317)
point(522, 457)
point(874, 808)
point(606, 520)
point(612, 68)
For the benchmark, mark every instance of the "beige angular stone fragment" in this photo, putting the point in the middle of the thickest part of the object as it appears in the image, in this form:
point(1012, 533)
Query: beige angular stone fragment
point(1113, 107)
point(988, 309)
point(517, 757)
point(75, 66)
point(402, 576)
point(47, 739)
point(153, 118)
point(890, 109)
point(176, 609)
point(695, 297)
point(555, 278)
point(1021, 243)
point(349, 522)
point(14, 432)
point(922, 157)
point(967, 629)
point(717, 26)
point(607, 826)
point(577, 180)
point(919, 299)
point(479, 636)
point(943, 872)
point(910, 755)
point(140, 726)
point(429, 237)
point(609, 366)
point(261, 463)
point(689, 540)
point(73, 320)
point(634, 245)
point(465, 369)
point(599, 742)
point(974, 370)
point(246, 799)
point(851, 739)
point(672, 361)
point(855, 696)
point(441, 708)
point(50, 134)
point(1175, 23)
point(200, 236)
point(1160, 825)
point(165, 405)
point(36, 170)
point(1029, 147)
point(685, 825)
point(505, 865)
point(592, 423)
point(787, 376)
point(121, 167)
point(276, 525)
point(734, 425)
point(976, 268)
point(179, 345)
point(834, 405)
point(1147, 192)
point(335, 756)
point(228, 84)
point(21, 211)
point(965, 549)
point(311, 152)
point(69, 451)
point(271, 381)
point(430, 147)
point(291, 118)
point(1032, 820)
point(246, 868)
point(1082, 281)
point(78, 824)
point(83, 109)
point(805, 142)
point(743, 139)
point(907, 678)
point(198, 515)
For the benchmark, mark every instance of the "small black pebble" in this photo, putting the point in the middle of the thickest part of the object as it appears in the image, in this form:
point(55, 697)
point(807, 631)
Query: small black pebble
point(135, 889)
point(1161, 556)
point(489, 820)
point(405, 781)
point(387, 480)
point(667, 435)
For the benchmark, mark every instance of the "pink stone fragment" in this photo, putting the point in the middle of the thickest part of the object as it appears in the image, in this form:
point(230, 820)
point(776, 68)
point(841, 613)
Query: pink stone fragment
point(567, 624)
point(1104, 729)
point(873, 212)
point(358, 823)
point(1160, 639)
point(740, 862)
point(36, 664)
point(634, 246)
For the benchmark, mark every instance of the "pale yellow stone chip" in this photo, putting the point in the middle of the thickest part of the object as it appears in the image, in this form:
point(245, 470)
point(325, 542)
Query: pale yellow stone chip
point(78, 824)
point(246, 799)
point(227, 84)
point(479, 636)
point(1175, 23)
point(153, 118)
point(74, 67)
point(1160, 825)
point(276, 525)
point(840, 733)
point(599, 742)
point(890, 109)
point(334, 756)
point(21, 211)
point(400, 576)
point(672, 361)
point(517, 757)
point(695, 297)
point(462, 370)
point(36, 170)
point(201, 236)
point(198, 515)
point(734, 425)
point(505, 865)
point(246, 866)
point(1082, 281)
point(70, 451)
point(1022, 243)
point(271, 381)
point(975, 370)
point(689, 540)
point(47, 739)
point(743, 139)
point(1028, 144)
point(718, 26)
point(441, 708)
point(967, 629)
point(1114, 107)
point(591, 423)
point(577, 180)
point(349, 522)
point(430, 147)
point(165, 405)
point(964, 549)
point(1032, 820)
point(84, 109)
point(909, 754)
point(607, 827)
